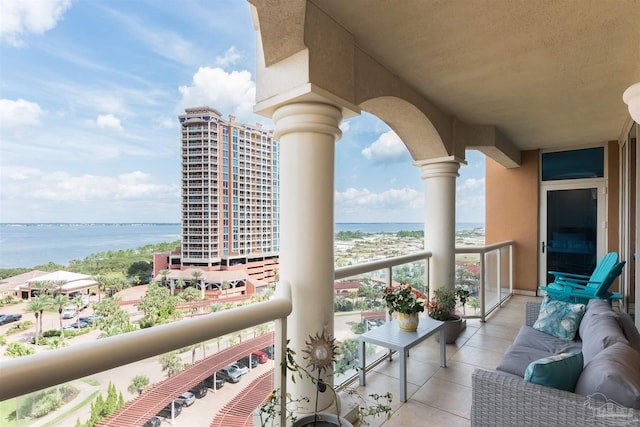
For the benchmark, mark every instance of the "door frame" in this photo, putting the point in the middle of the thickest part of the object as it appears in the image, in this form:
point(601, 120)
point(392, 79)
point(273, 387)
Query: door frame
point(601, 217)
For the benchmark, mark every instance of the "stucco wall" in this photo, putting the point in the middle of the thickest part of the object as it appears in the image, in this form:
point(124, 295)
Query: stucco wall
point(512, 205)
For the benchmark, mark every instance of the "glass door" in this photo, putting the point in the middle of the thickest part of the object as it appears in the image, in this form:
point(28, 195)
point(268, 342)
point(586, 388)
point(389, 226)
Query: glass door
point(572, 231)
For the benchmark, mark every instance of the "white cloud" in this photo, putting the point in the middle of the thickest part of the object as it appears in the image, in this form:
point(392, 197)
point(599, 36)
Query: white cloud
point(230, 57)
point(35, 185)
point(391, 198)
point(230, 93)
point(471, 184)
point(109, 122)
point(387, 148)
point(18, 114)
point(19, 17)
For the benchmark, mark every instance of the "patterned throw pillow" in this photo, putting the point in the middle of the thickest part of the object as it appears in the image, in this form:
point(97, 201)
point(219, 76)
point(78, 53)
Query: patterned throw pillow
point(560, 371)
point(558, 318)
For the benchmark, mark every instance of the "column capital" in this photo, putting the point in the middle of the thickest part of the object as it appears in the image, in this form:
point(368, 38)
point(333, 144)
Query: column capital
point(312, 117)
point(440, 167)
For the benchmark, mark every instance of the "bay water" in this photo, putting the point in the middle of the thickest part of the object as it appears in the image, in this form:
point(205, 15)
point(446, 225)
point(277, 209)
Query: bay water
point(28, 245)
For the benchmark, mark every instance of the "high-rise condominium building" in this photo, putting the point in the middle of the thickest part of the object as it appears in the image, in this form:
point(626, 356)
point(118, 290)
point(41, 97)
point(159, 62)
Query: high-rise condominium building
point(230, 195)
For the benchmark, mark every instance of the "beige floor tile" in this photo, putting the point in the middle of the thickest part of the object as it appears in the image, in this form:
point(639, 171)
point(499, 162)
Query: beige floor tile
point(414, 414)
point(456, 372)
point(489, 342)
point(478, 357)
point(445, 395)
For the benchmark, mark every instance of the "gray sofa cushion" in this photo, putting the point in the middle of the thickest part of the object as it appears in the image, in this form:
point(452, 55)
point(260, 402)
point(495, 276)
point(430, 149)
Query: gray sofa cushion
point(629, 329)
point(517, 358)
point(615, 373)
point(602, 332)
point(532, 338)
point(595, 307)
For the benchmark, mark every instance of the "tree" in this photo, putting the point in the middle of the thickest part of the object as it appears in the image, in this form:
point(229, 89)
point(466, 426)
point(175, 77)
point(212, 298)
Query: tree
point(36, 306)
point(140, 271)
point(225, 286)
point(157, 305)
point(139, 383)
point(78, 303)
point(114, 320)
point(58, 302)
point(171, 363)
point(197, 274)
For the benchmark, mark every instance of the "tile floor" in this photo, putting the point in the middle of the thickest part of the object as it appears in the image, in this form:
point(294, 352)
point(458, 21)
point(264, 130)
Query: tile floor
point(442, 396)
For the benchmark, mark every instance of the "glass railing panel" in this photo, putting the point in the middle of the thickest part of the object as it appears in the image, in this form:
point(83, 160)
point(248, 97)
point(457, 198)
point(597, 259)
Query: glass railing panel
point(468, 272)
point(359, 305)
point(491, 274)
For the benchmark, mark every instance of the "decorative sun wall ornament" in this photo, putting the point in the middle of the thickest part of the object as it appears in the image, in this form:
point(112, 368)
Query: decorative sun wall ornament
point(320, 352)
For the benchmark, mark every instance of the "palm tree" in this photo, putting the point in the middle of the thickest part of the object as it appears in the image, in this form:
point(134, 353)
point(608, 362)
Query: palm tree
point(197, 274)
point(59, 301)
point(139, 383)
point(36, 306)
point(171, 363)
point(78, 303)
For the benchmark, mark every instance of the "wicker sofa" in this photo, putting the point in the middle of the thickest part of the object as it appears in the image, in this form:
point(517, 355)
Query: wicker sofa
point(502, 398)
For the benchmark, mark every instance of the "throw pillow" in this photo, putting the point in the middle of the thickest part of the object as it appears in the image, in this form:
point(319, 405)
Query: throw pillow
point(614, 373)
point(558, 318)
point(560, 371)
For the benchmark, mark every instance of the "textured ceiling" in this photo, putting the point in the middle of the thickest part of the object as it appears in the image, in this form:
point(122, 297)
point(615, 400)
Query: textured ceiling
point(547, 73)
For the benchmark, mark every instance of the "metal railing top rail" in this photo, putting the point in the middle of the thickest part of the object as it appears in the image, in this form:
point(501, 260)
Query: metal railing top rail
point(483, 249)
point(354, 270)
point(49, 368)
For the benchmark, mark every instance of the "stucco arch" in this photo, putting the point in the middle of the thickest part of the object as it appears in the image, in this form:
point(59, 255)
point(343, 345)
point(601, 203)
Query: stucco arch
point(413, 127)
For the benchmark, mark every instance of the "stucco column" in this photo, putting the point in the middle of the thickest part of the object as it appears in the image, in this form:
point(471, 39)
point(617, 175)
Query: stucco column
point(439, 177)
point(307, 133)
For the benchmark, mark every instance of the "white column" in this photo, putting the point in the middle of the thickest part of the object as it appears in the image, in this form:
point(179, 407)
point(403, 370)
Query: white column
point(307, 133)
point(439, 177)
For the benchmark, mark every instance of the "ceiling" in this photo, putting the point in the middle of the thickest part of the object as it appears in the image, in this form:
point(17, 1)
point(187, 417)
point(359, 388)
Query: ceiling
point(547, 73)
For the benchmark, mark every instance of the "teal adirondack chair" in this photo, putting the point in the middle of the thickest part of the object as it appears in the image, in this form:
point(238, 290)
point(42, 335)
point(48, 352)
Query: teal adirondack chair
point(579, 288)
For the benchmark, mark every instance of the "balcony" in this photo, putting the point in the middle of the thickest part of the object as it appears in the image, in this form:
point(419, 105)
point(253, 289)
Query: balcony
point(442, 394)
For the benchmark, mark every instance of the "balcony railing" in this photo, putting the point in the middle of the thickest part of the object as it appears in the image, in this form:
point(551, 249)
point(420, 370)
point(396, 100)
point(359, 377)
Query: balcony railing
point(50, 368)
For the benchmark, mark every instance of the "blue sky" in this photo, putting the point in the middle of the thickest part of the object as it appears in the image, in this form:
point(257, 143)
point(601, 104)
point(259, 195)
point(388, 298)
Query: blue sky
point(90, 92)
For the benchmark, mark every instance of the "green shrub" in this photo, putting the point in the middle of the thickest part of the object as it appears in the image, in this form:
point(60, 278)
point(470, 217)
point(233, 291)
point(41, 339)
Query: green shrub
point(16, 349)
point(359, 328)
point(48, 403)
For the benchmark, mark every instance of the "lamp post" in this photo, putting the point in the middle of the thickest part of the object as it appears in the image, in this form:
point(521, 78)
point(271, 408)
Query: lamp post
point(631, 97)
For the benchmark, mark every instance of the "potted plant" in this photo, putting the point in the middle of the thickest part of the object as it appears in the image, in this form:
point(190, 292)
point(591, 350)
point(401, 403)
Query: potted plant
point(407, 302)
point(320, 353)
point(442, 307)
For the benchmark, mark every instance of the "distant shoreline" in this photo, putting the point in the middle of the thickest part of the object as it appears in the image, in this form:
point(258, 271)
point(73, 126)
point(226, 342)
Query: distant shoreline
point(33, 244)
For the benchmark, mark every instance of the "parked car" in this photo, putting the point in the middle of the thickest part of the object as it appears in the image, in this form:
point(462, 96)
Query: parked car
point(219, 382)
point(76, 325)
point(249, 359)
point(91, 319)
point(200, 390)
point(269, 351)
point(229, 374)
point(69, 312)
point(260, 356)
point(186, 399)
point(243, 369)
point(153, 422)
point(166, 411)
point(8, 318)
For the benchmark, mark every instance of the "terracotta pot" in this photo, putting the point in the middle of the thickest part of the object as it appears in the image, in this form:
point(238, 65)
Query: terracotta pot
point(408, 322)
